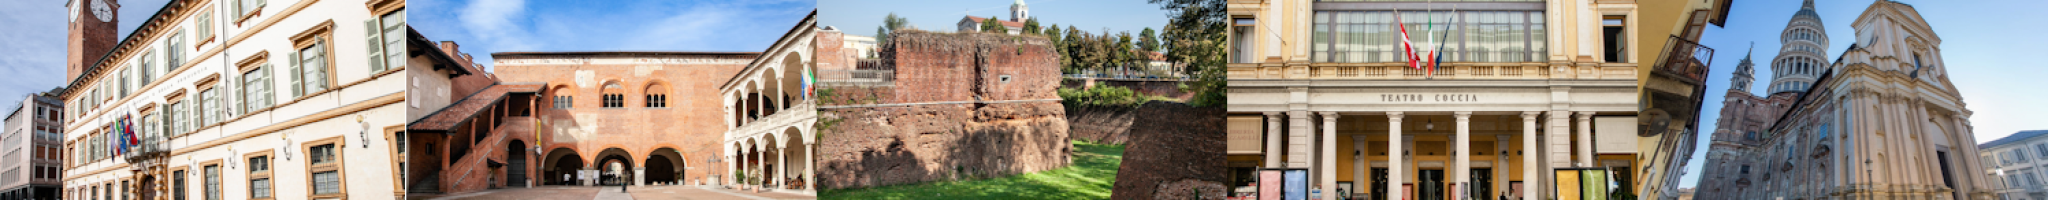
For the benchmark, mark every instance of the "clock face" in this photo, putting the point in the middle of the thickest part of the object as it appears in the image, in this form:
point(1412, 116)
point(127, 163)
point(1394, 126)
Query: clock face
point(102, 11)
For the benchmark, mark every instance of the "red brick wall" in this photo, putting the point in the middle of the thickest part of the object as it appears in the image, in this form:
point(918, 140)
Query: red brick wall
point(831, 55)
point(939, 67)
point(693, 122)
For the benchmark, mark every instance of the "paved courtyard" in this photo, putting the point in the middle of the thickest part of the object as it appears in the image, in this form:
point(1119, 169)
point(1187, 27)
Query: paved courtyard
point(612, 193)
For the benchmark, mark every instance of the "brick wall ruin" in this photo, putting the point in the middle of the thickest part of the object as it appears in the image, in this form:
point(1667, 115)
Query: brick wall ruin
point(1175, 152)
point(962, 106)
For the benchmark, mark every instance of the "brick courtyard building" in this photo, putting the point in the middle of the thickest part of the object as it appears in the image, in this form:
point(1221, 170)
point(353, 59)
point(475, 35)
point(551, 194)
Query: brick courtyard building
point(606, 118)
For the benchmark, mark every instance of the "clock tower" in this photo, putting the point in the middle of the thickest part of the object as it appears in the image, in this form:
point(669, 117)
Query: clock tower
point(91, 36)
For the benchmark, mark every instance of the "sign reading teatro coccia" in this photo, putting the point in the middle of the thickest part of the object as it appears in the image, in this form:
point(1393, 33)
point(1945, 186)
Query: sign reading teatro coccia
point(1416, 97)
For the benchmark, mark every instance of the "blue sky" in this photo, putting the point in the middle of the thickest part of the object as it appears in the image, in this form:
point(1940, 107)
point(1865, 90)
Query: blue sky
point(32, 42)
point(861, 17)
point(482, 27)
point(1982, 43)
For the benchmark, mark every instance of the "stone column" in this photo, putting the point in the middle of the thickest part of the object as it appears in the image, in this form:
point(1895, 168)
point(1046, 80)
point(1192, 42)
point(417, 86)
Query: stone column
point(1395, 165)
point(1586, 139)
point(1328, 165)
point(1461, 153)
point(1273, 133)
point(810, 168)
point(781, 166)
point(1529, 154)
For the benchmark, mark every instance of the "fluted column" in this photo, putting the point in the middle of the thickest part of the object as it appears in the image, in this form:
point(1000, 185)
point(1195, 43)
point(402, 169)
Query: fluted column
point(1328, 165)
point(1273, 133)
point(1395, 165)
point(1529, 181)
point(1461, 153)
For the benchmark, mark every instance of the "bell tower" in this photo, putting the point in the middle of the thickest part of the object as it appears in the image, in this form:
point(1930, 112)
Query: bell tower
point(91, 36)
point(1019, 12)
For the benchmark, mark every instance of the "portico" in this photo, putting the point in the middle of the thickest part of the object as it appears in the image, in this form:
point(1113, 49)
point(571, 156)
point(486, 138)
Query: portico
point(1436, 134)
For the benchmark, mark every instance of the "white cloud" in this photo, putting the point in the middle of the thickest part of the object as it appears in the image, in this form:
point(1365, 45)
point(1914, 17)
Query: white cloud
point(493, 22)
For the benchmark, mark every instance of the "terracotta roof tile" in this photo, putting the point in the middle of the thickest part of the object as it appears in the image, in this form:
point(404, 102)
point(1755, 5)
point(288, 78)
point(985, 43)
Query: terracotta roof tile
point(449, 117)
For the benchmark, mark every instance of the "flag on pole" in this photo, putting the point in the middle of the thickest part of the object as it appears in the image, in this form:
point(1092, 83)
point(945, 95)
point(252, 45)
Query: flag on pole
point(1407, 47)
point(810, 83)
point(1439, 58)
point(128, 127)
point(1428, 60)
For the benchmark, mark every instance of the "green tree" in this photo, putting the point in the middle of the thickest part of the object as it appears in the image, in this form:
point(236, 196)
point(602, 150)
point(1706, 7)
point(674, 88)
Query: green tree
point(991, 25)
point(1030, 27)
point(1121, 55)
point(1148, 40)
point(890, 24)
point(1194, 35)
point(1074, 50)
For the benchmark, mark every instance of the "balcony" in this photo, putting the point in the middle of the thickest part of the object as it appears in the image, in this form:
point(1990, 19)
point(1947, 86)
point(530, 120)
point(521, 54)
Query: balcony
point(803, 112)
point(1685, 59)
point(152, 148)
point(1450, 71)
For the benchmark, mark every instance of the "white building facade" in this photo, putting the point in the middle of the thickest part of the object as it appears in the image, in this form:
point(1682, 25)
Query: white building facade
point(243, 99)
point(772, 115)
point(1527, 87)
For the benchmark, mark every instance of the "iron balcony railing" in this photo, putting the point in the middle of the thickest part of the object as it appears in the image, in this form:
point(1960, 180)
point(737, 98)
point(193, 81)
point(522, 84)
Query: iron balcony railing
point(1685, 58)
point(151, 147)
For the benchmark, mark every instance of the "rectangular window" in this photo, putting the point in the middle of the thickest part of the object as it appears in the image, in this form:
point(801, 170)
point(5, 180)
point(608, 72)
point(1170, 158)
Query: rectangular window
point(256, 88)
point(1244, 42)
point(244, 8)
point(1614, 36)
point(205, 26)
point(178, 185)
point(324, 167)
point(148, 65)
point(213, 182)
point(124, 82)
point(386, 37)
point(205, 112)
point(259, 177)
point(175, 49)
point(1462, 36)
point(309, 69)
point(170, 122)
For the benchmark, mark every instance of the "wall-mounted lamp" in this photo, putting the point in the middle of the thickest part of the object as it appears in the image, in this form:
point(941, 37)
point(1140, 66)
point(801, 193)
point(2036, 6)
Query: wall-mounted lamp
point(286, 150)
point(365, 133)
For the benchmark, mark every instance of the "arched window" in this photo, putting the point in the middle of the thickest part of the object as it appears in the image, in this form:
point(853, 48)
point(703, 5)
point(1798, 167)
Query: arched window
point(657, 96)
point(614, 96)
point(564, 97)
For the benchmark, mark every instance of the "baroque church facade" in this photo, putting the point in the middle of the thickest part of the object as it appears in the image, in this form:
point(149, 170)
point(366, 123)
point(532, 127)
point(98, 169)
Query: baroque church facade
point(1881, 121)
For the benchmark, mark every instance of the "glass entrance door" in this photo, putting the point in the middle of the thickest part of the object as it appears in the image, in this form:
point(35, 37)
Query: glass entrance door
point(1482, 183)
point(1379, 184)
point(1430, 185)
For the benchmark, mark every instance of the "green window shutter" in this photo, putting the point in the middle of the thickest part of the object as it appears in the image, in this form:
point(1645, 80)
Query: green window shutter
point(319, 76)
point(375, 45)
point(264, 83)
point(298, 77)
point(238, 10)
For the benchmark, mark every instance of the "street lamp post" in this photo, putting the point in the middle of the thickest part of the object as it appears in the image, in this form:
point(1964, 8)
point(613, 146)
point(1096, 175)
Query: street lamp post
point(1867, 179)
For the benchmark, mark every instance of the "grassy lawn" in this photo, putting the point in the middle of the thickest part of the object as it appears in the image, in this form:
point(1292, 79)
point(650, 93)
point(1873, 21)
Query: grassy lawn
point(1090, 177)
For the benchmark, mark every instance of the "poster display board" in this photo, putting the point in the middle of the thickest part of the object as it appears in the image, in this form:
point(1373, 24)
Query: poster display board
point(1582, 184)
point(1343, 189)
point(1269, 184)
point(1295, 184)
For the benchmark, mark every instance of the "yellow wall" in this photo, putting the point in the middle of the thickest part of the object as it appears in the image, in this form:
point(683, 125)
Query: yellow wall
point(1376, 144)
